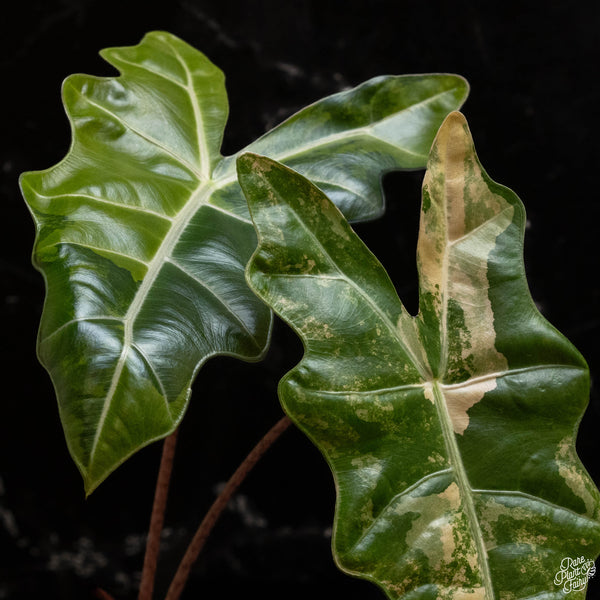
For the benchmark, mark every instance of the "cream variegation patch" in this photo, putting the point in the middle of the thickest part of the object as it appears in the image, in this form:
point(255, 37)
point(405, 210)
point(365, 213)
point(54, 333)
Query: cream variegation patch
point(460, 398)
point(458, 232)
point(437, 520)
point(475, 593)
point(468, 286)
point(567, 461)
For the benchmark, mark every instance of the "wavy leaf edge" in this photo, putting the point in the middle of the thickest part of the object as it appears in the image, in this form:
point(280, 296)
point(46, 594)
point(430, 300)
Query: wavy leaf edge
point(583, 507)
point(214, 191)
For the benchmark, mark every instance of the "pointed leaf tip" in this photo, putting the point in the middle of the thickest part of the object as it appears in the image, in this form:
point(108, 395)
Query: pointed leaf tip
point(453, 132)
point(247, 162)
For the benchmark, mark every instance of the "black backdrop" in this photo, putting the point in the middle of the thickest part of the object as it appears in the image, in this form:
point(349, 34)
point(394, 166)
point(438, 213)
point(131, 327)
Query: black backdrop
point(533, 114)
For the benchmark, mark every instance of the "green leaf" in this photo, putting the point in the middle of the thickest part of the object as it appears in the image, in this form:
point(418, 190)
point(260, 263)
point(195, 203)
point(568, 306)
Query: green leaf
point(143, 233)
point(450, 434)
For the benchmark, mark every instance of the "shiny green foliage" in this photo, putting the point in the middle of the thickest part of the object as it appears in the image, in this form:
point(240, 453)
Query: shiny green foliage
point(451, 434)
point(143, 233)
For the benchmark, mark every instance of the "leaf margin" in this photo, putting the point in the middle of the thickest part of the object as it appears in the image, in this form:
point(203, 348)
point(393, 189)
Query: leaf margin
point(254, 281)
point(92, 483)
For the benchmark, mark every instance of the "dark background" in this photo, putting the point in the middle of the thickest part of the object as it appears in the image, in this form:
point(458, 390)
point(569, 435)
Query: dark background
point(533, 111)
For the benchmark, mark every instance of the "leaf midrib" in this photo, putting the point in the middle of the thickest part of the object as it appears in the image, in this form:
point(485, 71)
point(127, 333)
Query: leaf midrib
point(460, 475)
point(441, 404)
point(179, 223)
point(165, 250)
point(452, 386)
point(368, 130)
point(479, 491)
point(106, 201)
point(465, 489)
point(203, 150)
point(418, 365)
point(199, 174)
point(201, 197)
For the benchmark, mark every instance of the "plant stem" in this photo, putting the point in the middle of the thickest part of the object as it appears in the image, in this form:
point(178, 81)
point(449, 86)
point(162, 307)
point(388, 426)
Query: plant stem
point(199, 539)
point(102, 595)
point(157, 518)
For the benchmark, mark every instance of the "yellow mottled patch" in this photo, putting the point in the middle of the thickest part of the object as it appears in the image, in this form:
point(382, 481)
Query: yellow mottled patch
point(477, 593)
point(433, 532)
point(303, 267)
point(314, 328)
point(568, 469)
point(336, 224)
point(538, 540)
point(436, 459)
point(382, 405)
point(366, 513)
point(363, 414)
point(408, 330)
point(258, 163)
point(362, 461)
point(284, 305)
point(473, 560)
point(375, 411)
point(492, 510)
point(368, 470)
point(319, 423)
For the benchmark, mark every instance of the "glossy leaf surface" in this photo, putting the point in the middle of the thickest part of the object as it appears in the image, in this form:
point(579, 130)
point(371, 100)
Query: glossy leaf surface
point(143, 233)
point(450, 434)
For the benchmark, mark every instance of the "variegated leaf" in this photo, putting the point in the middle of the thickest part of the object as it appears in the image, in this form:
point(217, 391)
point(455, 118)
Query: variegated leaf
point(143, 233)
point(451, 435)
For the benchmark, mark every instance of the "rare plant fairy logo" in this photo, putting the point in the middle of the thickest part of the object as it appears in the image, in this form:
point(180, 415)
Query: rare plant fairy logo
point(574, 573)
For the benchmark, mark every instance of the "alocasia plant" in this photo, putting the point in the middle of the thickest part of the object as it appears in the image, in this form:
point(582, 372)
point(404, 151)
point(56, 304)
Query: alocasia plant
point(143, 233)
point(450, 434)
